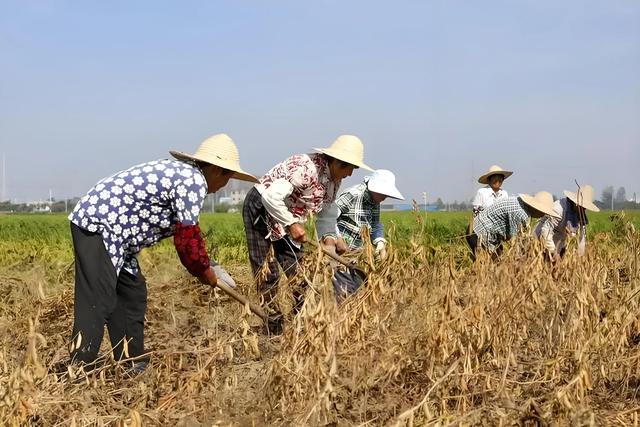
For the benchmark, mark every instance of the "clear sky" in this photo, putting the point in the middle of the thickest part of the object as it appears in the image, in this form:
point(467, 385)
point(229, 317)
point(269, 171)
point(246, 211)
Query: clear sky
point(437, 90)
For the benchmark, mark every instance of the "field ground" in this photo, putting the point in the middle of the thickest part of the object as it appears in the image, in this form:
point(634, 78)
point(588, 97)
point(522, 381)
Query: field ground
point(432, 339)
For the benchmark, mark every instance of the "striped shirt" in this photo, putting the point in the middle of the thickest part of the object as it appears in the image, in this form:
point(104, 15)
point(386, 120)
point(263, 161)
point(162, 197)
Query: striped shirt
point(357, 210)
point(500, 221)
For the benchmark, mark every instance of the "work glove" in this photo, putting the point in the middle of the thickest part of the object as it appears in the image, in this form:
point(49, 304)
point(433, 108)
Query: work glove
point(582, 243)
point(222, 275)
point(381, 249)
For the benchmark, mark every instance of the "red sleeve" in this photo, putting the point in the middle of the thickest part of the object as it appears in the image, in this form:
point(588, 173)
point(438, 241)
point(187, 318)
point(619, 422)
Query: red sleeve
point(191, 249)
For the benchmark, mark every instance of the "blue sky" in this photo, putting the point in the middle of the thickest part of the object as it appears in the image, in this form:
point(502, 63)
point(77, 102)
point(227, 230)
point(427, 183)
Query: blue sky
point(437, 90)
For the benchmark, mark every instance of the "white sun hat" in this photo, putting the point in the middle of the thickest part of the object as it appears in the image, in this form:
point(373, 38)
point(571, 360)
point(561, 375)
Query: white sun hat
point(583, 198)
point(494, 170)
point(383, 181)
point(347, 148)
point(541, 201)
point(218, 150)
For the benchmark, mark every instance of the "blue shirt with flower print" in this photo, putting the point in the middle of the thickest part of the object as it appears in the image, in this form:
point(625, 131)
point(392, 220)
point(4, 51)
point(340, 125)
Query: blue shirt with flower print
point(138, 207)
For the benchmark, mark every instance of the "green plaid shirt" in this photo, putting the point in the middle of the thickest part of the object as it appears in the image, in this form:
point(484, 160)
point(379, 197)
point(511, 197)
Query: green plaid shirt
point(357, 210)
point(500, 221)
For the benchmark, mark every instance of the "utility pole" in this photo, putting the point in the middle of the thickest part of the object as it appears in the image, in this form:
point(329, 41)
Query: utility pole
point(612, 200)
point(4, 179)
point(424, 196)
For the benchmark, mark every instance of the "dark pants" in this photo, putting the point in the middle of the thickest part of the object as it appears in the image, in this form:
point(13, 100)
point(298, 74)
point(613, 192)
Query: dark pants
point(265, 268)
point(346, 282)
point(102, 297)
point(472, 241)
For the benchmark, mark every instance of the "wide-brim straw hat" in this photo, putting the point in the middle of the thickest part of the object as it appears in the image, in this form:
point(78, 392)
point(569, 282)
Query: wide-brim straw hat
point(347, 148)
point(494, 170)
point(384, 182)
point(218, 150)
point(584, 198)
point(541, 201)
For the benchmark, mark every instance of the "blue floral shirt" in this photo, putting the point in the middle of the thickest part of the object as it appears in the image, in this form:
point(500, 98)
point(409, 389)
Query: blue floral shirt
point(138, 207)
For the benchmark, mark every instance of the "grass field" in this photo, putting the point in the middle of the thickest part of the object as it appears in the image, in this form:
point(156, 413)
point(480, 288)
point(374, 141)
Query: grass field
point(431, 340)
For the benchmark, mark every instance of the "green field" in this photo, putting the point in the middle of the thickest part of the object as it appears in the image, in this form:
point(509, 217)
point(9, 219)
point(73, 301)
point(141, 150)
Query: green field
point(226, 229)
point(28, 239)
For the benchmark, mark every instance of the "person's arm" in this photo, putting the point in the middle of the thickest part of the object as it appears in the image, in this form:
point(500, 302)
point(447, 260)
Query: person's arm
point(377, 232)
point(187, 198)
point(300, 173)
point(548, 223)
point(326, 225)
point(192, 252)
point(327, 219)
point(517, 221)
point(478, 201)
point(273, 199)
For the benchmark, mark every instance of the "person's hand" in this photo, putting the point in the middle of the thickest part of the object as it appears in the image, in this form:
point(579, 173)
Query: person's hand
point(381, 249)
point(335, 244)
point(556, 257)
point(297, 232)
point(209, 278)
point(222, 276)
point(341, 246)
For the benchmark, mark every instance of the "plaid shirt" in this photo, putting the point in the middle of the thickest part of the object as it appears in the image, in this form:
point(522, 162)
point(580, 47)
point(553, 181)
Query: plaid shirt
point(357, 210)
point(500, 221)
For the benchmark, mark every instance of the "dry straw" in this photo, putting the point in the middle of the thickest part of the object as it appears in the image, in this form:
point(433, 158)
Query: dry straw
point(430, 340)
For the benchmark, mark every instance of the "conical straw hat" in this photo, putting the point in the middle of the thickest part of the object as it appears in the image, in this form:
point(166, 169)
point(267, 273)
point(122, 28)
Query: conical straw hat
point(583, 198)
point(219, 150)
point(347, 148)
point(542, 201)
point(494, 170)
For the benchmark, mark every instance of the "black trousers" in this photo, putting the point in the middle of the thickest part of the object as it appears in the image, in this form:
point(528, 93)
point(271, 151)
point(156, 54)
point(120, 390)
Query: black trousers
point(346, 282)
point(286, 254)
point(103, 297)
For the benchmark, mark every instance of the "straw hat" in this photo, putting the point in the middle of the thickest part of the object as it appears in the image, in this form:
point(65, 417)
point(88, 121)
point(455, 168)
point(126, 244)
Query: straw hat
point(218, 150)
point(541, 201)
point(583, 198)
point(384, 182)
point(494, 170)
point(347, 148)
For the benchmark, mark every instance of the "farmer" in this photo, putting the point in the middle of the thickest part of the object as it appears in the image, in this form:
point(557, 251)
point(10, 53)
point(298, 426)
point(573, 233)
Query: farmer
point(570, 219)
point(129, 211)
point(493, 191)
point(276, 209)
point(360, 207)
point(505, 218)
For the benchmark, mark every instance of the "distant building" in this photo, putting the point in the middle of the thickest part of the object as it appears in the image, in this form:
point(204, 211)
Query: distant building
point(237, 196)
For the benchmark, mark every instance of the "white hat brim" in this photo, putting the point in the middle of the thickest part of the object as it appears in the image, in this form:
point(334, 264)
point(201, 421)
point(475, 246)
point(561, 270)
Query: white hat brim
point(389, 191)
point(232, 166)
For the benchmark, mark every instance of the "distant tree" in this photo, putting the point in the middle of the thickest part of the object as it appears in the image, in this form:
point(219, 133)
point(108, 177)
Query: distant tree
point(621, 195)
point(439, 204)
point(607, 195)
point(222, 207)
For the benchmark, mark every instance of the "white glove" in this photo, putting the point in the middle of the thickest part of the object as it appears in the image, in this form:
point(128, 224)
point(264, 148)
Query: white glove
point(222, 275)
point(381, 249)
